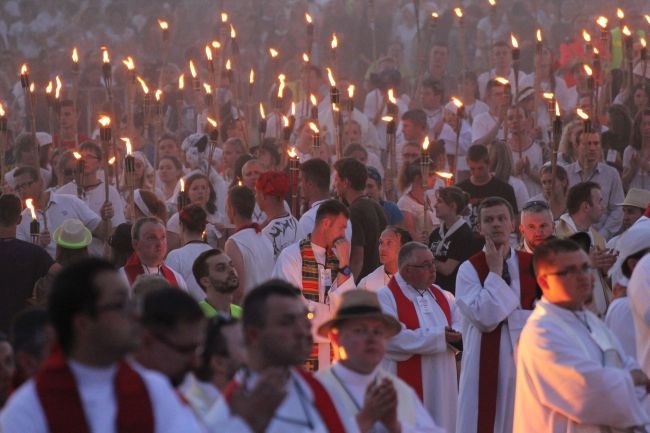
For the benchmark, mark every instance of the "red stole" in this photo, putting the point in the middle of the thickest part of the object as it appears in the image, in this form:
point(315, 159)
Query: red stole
point(410, 371)
point(61, 402)
point(491, 341)
point(322, 400)
point(133, 268)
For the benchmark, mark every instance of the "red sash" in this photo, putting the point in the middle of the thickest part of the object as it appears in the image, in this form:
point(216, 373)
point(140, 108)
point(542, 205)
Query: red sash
point(133, 268)
point(59, 397)
point(410, 371)
point(491, 341)
point(322, 401)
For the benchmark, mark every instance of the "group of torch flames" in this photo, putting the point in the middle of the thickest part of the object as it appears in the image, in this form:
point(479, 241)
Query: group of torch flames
point(228, 45)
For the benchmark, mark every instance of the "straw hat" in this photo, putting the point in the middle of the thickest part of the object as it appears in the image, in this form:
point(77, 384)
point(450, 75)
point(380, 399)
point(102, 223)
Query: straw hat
point(636, 197)
point(360, 304)
point(72, 234)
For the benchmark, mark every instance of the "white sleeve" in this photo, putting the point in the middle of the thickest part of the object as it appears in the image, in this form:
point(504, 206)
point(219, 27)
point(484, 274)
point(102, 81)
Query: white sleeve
point(173, 225)
point(23, 412)
point(288, 267)
point(85, 214)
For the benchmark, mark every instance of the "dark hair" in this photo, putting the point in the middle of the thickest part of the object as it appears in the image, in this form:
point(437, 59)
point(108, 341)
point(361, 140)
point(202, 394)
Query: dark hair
point(352, 170)
point(578, 194)
point(23, 143)
point(546, 251)
point(215, 344)
point(168, 136)
point(27, 169)
point(471, 76)
point(271, 150)
point(174, 160)
point(121, 244)
point(241, 200)
point(492, 202)
point(374, 174)
point(67, 256)
point(93, 147)
point(211, 205)
point(434, 85)
point(193, 218)
point(28, 331)
point(66, 103)
point(255, 302)
point(331, 208)
point(154, 204)
point(354, 147)
point(403, 235)
point(164, 309)
point(637, 137)
point(135, 230)
point(417, 116)
point(454, 195)
point(492, 84)
point(10, 209)
point(74, 291)
point(411, 171)
point(200, 266)
point(317, 172)
point(478, 153)
point(239, 165)
point(560, 172)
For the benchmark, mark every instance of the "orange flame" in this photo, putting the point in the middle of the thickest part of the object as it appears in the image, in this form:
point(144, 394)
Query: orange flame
point(212, 122)
point(351, 91)
point(233, 33)
point(330, 77)
point(425, 144)
point(458, 12)
point(29, 203)
point(145, 89)
point(314, 128)
point(208, 53)
point(273, 52)
point(192, 69)
point(513, 40)
point(129, 63)
point(586, 36)
point(262, 115)
point(602, 22)
point(308, 18)
point(181, 81)
point(391, 96)
point(164, 25)
point(292, 153)
point(127, 143)
point(335, 41)
point(75, 55)
point(105, 121)
point(582, 114)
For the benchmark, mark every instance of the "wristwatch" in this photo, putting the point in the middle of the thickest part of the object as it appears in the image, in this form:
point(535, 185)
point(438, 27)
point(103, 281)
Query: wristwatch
point(346, 270)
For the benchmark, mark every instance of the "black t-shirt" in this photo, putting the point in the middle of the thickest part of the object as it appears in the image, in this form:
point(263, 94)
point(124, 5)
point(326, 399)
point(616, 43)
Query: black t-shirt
point(21, 265)
point(368, 220)
point(494, 188)
point(460, 245)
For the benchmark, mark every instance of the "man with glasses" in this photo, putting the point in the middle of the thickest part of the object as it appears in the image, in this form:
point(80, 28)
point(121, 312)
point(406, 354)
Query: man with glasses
point(572, 373)
point(173, 333)
point(52, 209)
point(359, 331)
point(423, 353)
point(86, 384)
point(495, 291)
point(590, 168)
point(536, 225)
point(92, 190)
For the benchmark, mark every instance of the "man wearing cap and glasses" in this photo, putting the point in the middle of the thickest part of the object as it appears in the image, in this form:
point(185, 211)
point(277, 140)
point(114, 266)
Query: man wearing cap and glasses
point(377, 399)
point(423, 353)
point(572, 374)
point(536, 225)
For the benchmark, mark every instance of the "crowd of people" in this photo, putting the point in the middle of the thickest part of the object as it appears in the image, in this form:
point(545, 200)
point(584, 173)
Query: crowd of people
point(324, 216)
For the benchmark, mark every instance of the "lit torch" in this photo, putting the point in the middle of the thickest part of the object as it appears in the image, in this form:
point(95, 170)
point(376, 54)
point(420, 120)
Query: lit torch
point(34, 226)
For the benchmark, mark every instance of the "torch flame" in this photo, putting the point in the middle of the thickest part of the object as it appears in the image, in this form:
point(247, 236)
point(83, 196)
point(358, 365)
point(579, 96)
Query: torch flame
point(59, 85)
point(145, 89)
point(111, 161)
point(619, 13)
point(262, 115)
point(586, 36)
point(76, 155)
point(335, 41)
point(182, 181)
point(285, 121)
point(548, 95)
point(281, 89)
point(32, 87)
point(539, 35)
point(513, 40)
point(105, 121)
point(251, 76)
point(158, 95)
point(127, 142)
point(207, 88)
point(314, 128)
point(228, 65)
point(602, 22)
point(23, 69)
point(492, 2)
point(273, 52)
point(164, 25)
point(643, 43)
point(351, 91)
point(105, 57)
point(292, 153)
point(129, 63)
point(233, 33)
point(293, 108)
point(192, 69)
point(434, 15)
point(425, 144)
point(305, 57)
point(208, 53)
point(308, 18)
point(49, 87)
point(391, 96)
point(626, 31)
point(647, 18)
point(181, 81)
point(596, 52)
point(502, 81)
point(457, 102)
point(330, 77)
point(557, 109)
point(335, 107)
point(30, 205)
point(588, 70)
point(2, 110)
point(444, 174)
point(212, 122)
point(387, 118)
point(75, 56)
point(458, 12)
point(582, 114)
point(224, 17)
point(216, 44)
point(313, 100)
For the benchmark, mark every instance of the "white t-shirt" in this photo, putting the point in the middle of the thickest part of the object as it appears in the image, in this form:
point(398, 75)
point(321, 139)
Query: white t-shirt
point(282, 232)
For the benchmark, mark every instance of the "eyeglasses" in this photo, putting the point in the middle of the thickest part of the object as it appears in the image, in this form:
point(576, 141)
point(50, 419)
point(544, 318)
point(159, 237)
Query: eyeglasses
point(183, 349)
point(536, 204)
point(425, 265)
point(573, 271)
point(24, 185)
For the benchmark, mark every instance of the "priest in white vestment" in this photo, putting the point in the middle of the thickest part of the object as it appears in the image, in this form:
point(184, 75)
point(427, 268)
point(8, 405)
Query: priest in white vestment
point(572, 373)
point(422, 354)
